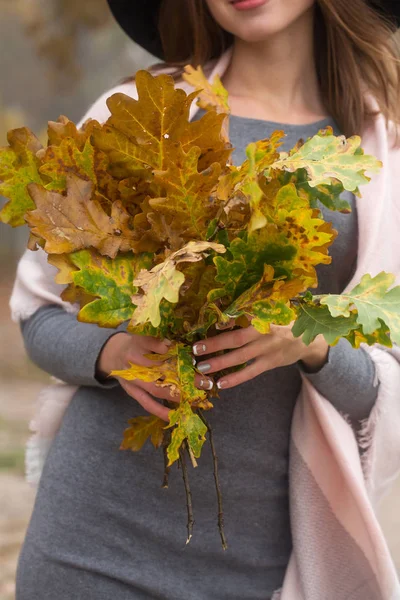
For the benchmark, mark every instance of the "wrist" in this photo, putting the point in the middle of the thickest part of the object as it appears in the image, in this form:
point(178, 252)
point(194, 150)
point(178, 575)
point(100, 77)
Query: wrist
point(316, 355)
point(107, 360)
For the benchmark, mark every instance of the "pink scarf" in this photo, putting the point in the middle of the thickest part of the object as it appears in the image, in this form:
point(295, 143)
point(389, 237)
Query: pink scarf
point(339, 552)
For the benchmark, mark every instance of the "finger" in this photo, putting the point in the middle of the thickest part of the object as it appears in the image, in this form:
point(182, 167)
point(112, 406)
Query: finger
point(203, 383)
point(259, 366)
point(226, 341)
point(158, 391)
point(136, 358)
point(234, 358)
point(145, 400)
point(155, 345)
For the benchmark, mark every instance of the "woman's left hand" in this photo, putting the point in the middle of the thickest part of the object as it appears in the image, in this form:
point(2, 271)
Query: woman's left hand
point(266, 351)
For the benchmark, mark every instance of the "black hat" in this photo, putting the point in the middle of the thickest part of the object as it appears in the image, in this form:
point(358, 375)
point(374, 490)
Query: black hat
point(139, 19)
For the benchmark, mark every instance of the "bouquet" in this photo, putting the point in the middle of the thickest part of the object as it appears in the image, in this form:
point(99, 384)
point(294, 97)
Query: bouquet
point(148, 221)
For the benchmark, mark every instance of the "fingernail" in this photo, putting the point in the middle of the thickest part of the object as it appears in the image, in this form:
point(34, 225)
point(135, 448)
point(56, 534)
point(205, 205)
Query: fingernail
point(221, 384)
point(167, 342)
point(199, 349)
point(207, 384)
point(194, 362)
point(204, 367)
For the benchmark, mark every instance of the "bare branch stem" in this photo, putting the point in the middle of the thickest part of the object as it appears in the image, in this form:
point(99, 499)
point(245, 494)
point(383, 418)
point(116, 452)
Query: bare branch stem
point(189, 504)
point(166, 441)
point(217, 483)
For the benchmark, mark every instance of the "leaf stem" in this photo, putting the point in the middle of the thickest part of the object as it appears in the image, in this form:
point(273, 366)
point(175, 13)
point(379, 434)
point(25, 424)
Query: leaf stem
point(192, 457)
point(189, 504)
point(217, 482)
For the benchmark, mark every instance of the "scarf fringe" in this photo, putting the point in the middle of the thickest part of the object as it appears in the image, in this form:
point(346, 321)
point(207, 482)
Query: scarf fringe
point(52, 402)
point(36, 451)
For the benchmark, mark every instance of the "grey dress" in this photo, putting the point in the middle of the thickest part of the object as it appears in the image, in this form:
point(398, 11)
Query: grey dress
point(103, 528)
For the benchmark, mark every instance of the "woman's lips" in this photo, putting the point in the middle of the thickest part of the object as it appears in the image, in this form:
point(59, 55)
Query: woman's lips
point(247, 4)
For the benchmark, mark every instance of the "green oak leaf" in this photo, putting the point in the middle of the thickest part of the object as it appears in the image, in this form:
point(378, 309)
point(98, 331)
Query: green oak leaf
point(328, 195)
point(266, 313)
point(266, 302)
point(326, 157)
point(380, 336)
point(170, 326)
point(111, 280)
point(250, 253)
point(186, 426)
point(374, 302)
point(314, 320)
point(18, 167)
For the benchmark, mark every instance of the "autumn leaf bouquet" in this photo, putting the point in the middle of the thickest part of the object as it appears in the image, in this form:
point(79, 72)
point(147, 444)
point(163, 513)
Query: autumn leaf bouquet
point(149, 222)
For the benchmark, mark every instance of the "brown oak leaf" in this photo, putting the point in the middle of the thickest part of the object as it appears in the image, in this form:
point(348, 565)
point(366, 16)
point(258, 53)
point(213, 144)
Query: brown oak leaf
point(75, 221)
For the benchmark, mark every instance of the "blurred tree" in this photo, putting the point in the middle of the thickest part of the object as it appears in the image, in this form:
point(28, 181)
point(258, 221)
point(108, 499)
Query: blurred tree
point(56, 27)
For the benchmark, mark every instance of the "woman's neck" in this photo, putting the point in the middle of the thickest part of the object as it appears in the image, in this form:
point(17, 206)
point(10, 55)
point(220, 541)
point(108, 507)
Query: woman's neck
point(277, 79)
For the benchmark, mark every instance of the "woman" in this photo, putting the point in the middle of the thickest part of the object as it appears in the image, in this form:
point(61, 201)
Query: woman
point(102, 527)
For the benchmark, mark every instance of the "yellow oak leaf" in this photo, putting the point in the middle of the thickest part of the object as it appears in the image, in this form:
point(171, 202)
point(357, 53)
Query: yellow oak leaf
point(211, 96)
point(63, 128)
point(140, 430)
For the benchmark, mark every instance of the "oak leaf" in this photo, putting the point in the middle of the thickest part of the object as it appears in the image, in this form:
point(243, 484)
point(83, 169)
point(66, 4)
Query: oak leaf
point(19, 166)
point(314, 320)
point(267, 301)
point(75, 221)
point(174, 370)
point(211, 96)
point(140, 430)
point(188, 206)
point(108, 283)
point(165, 281)
point(60, 161)
point(326, 157)
point(186, 426)
point(63, 128)
point(374, 301)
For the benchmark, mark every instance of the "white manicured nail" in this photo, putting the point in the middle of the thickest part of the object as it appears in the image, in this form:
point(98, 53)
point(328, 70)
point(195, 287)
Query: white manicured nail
point(199, 349)
point(221, 384)
point(203, 368)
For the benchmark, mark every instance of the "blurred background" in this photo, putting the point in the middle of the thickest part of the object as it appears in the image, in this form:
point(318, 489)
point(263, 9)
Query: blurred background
point(57, 57)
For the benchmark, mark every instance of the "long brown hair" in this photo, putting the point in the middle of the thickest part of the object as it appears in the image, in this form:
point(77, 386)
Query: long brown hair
point(355, 49)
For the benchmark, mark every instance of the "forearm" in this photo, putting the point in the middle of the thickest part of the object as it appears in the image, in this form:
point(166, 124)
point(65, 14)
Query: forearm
point(64, 347)
point(347, 381)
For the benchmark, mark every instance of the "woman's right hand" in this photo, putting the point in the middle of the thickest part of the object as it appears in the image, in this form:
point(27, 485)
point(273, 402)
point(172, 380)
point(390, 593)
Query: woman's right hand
point(121, 350)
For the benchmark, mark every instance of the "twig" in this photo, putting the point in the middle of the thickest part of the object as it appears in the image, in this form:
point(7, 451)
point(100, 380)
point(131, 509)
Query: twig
point(217, 484)
point(189, 504)
point(166, 441)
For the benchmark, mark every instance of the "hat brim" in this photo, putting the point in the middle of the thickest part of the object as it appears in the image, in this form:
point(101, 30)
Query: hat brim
point(139, 20)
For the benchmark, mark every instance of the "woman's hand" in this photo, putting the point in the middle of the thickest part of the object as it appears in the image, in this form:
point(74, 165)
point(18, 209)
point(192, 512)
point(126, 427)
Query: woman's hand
point(266, 351)
point(121, 350)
